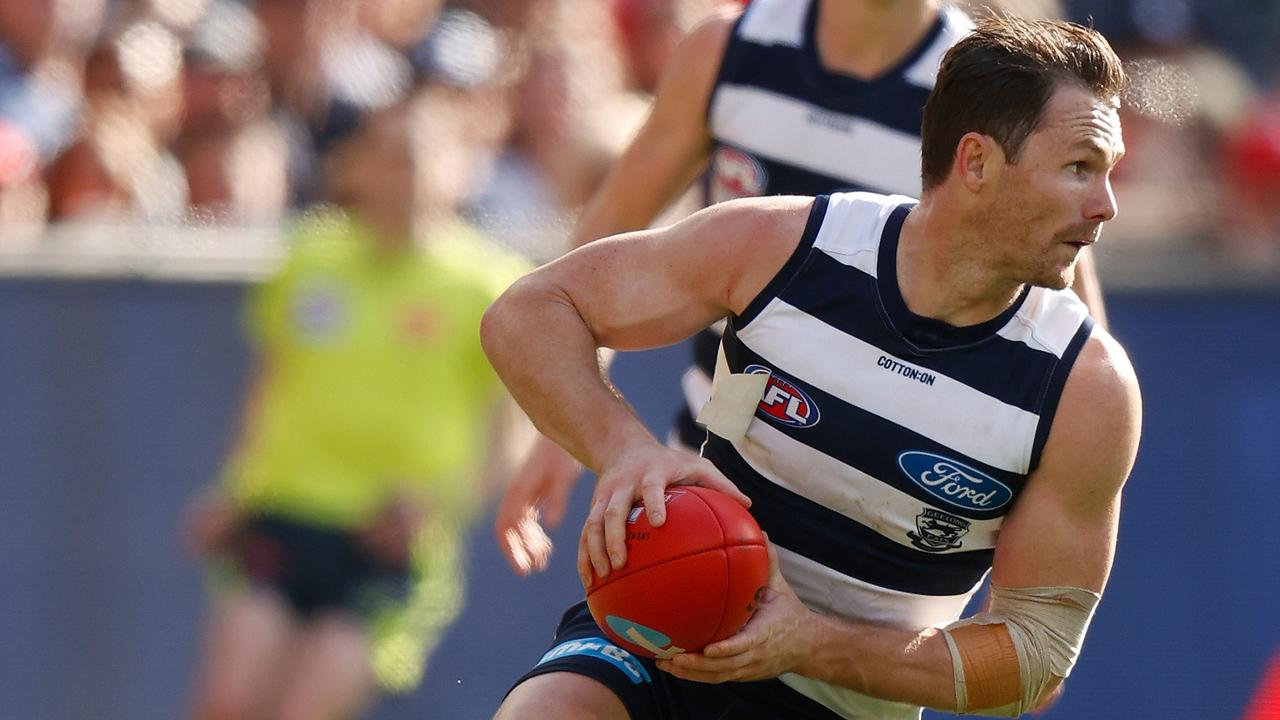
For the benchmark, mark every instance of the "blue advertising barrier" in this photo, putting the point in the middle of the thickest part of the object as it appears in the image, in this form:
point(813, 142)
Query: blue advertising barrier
point(118, 399)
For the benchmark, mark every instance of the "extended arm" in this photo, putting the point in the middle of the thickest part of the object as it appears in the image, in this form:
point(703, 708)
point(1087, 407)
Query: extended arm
point(635, 291)
point(1060, 535)
point(660, 162)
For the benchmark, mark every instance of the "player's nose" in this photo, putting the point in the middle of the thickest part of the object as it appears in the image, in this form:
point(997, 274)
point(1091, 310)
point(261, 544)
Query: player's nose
point(1101, 204)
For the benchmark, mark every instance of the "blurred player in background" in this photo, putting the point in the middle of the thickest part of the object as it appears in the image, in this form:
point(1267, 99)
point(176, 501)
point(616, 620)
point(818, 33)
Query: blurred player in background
point(369, 436)
point(787, 97)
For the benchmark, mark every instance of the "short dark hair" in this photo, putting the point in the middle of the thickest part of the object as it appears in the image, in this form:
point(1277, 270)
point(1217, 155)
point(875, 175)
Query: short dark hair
point(998, 80)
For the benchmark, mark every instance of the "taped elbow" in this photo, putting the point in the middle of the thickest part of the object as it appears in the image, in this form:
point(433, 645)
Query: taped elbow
point(1010, 660)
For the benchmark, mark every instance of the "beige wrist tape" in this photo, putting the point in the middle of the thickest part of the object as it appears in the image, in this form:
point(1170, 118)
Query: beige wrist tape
point(1006, 658)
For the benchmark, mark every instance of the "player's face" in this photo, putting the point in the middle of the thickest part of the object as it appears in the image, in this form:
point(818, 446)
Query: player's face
point(1054, 200)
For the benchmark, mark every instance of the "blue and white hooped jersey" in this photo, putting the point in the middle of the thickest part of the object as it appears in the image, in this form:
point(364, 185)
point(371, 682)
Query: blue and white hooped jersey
point(782, 124)
point(887, 447)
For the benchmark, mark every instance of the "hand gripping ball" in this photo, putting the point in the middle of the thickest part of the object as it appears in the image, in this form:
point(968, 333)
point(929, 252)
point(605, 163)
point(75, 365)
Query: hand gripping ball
point(687, 584)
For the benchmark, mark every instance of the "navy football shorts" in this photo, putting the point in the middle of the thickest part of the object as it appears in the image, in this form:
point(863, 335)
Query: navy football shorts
point(316, 568)
point(649, 694)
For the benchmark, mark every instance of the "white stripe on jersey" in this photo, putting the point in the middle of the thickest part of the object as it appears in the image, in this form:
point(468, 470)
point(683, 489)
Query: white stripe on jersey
point(976, 424)
point(854, 494)
point(1056, 320)
point(850, 233)
point(770, 22)
point(832, 593)
point(858, 151)
point(852, 226)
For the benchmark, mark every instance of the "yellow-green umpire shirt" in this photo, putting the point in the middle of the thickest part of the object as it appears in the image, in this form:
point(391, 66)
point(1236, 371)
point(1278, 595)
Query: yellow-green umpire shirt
point(376, 382)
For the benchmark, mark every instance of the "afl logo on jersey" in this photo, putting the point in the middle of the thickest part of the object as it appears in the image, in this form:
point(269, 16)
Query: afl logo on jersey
point(953, 482)
point(784, 402)
point(735, 174)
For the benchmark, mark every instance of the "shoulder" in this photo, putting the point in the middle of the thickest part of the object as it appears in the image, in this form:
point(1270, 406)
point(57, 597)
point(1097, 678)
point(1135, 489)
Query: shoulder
point(768, 216)
point(718, 24)
point(705, 43)
point(1103, 374)
point(746, 241)
point(690, 74)
point(1094, 438)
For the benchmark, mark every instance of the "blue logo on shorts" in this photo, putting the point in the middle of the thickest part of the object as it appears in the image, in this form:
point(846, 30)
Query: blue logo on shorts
point(601, 649)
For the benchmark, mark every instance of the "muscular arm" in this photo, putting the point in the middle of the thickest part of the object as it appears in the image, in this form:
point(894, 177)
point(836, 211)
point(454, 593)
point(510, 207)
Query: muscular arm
point(660, 162)
point(671, 147)
point(1061, 533)
point(635, 291)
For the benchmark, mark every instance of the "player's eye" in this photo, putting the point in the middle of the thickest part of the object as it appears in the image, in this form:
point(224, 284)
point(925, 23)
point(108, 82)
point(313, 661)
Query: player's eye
point(1078, 168)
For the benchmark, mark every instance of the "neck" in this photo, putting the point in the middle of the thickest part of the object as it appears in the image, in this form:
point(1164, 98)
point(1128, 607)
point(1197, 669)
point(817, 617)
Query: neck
point(393, 232)
point(943, 271)
point(864, 38)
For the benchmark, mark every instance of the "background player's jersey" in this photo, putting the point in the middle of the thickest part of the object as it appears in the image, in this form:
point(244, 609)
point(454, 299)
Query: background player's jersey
point(781, 124)
point(887, 447)
point(784, 125)
point(375, 383)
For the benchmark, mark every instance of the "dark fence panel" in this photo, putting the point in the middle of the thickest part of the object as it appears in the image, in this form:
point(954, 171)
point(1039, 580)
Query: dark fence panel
point(117, 400)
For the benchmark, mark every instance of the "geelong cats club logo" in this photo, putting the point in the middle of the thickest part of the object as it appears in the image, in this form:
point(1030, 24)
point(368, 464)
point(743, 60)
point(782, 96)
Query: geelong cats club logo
point(937, 531)
point(784, 402)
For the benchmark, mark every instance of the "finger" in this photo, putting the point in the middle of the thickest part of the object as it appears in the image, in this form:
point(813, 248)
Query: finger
point(707, 475)
point(615, 526)
point(595, 538)
point(556, 499)
point(535, 542)
point(584, 560)
point(510, 510)
point(687, 672)
point(517, 558)
point(736, 645)
point(700, 662)
point(653, 490)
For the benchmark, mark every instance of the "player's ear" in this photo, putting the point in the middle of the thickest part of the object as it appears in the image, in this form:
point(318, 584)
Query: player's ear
point(978, 159)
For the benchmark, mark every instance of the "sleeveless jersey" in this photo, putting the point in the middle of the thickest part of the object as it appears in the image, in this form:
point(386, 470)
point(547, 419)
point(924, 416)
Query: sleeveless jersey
point(887, 447)
point(784, 125)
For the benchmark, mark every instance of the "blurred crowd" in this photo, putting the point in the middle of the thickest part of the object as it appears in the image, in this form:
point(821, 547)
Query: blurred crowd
point(223, 111)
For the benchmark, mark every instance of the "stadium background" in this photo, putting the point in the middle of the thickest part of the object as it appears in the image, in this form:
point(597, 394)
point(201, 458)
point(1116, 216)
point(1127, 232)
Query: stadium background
point(122, 356)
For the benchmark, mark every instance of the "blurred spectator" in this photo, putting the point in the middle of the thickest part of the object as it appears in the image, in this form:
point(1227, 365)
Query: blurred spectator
point(37, 90)
point(220, 110)
point(235, 159)
point(369, 436)
point(1252, 159)
point(570, 118)
point(118, 167)
point(22, 195)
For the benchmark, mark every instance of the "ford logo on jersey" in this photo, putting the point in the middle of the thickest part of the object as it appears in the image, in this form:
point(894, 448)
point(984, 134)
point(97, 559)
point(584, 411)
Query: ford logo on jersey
point(784, 402)
point(954, 482)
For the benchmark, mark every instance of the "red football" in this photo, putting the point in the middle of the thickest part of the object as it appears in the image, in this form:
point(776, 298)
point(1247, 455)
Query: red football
point(686, 584)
